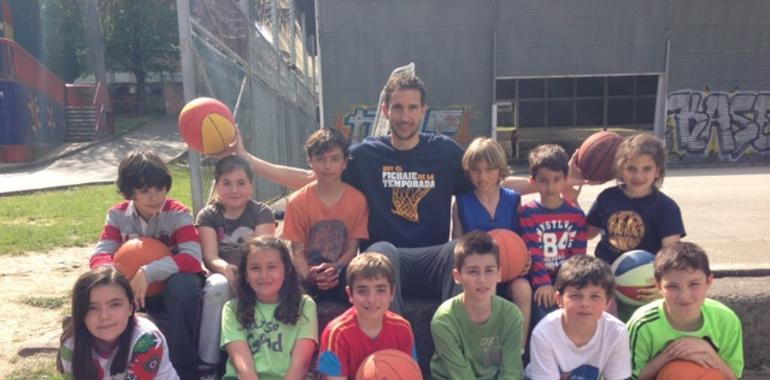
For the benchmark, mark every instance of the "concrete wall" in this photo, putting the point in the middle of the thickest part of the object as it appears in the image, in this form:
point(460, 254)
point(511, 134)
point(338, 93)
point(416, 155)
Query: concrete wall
point(568, 38)
point(719, 81)
point(716, 87)
point(450, 41)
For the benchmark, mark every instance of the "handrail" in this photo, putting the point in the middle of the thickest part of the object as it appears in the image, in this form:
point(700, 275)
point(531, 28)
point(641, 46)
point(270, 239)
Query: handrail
point(101, 102)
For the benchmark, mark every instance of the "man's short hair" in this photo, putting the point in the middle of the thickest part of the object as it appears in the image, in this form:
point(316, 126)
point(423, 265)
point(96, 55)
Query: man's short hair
point(370, 265)
point(475, 243)
point(681, 256)
point(550, 156)
point(403, 82)
point(583, 270)
point(141, 170)
point(324, 140)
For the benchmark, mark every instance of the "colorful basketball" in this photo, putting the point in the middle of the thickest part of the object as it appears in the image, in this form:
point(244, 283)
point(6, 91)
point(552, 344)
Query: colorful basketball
point(137, 252)
point(207, 125)
point(633, 270)
point(513, 253)
point(686, 370)
point(389, 364)
point(596, 157)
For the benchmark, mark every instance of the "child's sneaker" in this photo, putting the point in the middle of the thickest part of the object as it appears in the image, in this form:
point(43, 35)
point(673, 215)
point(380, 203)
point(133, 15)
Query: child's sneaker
point(207, 371)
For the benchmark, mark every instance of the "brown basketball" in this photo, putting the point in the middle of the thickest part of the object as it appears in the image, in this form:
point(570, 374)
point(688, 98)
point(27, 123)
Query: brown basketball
point(596, 157)
point(389, 364)
point(686, 370)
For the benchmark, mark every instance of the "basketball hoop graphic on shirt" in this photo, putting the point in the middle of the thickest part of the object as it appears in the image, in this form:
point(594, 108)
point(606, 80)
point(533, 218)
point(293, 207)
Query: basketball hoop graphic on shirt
point(408, 189)
point(405, 201)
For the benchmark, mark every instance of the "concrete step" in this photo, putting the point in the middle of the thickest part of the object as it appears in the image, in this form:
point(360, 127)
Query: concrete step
point(81, 125)
point(749, 298)
point(81, 122)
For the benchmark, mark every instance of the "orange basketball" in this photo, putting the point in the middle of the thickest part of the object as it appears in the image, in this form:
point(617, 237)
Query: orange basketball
point(137, 252)
point(513, 253)
point(686, 370)
point(207, 125)
point(389, 364)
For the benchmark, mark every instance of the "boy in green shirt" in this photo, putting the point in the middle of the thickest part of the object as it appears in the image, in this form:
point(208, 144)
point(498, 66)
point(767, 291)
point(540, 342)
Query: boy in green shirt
point(685, 324)
point(477, 334)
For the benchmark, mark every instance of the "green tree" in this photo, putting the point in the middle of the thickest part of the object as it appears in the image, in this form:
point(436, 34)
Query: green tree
point(141, 37)
point(64, 48)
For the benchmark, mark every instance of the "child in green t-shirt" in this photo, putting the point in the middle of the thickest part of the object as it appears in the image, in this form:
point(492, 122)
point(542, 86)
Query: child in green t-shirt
point(685, 324)
point(477, 334)
point(270, 330)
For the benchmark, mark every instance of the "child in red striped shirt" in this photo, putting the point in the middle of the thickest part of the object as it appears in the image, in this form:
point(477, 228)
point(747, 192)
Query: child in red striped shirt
point(553, 228)
point(144, 181)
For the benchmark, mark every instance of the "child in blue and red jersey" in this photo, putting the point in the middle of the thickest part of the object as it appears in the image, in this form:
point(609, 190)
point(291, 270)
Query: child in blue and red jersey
point(554, 229)
point(368, 326)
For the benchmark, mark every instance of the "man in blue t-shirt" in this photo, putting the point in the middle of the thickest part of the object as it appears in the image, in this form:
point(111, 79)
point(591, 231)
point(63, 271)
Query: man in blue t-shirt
point(408, 178)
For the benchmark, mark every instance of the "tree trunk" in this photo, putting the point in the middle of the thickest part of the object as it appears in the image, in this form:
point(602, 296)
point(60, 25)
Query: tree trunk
point(95, 40)
point(141, 78)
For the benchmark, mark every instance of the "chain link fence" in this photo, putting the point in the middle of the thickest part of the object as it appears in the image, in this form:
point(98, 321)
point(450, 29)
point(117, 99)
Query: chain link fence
point(271, 97)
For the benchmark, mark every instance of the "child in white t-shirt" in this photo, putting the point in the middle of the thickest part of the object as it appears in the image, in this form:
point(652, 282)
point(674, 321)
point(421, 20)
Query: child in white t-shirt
point(580, 340)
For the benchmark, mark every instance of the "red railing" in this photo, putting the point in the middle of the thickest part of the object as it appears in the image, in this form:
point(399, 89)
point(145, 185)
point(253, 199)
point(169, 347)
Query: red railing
point(101, 103)
point(27, 70)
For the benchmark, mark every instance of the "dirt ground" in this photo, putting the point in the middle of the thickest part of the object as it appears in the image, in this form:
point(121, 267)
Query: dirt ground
point(32, 332)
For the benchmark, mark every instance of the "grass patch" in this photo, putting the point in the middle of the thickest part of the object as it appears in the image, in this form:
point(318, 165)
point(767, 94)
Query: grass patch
point(36, 369)
point(124, 123)
point(74, 217)
point(45, 302)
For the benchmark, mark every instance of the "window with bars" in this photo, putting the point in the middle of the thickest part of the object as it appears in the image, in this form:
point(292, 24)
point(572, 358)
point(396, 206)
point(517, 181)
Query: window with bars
point(581, 102)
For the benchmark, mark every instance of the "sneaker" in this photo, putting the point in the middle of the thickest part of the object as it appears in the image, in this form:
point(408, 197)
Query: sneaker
point(207, 371)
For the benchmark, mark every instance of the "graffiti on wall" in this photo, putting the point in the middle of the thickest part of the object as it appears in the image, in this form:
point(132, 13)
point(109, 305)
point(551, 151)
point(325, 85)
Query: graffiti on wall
point(453, 121)
point(357, 123)
point(721, 125)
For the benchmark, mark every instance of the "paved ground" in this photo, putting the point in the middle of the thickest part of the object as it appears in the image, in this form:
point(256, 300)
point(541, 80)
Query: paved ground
point(95, 163)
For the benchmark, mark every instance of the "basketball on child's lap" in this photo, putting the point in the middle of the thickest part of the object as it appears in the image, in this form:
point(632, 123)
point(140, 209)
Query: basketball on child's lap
point(207, 125)
point(513, 253)
point(137, 252)
point(686, 370)
point(389, 364)
point(596, 157)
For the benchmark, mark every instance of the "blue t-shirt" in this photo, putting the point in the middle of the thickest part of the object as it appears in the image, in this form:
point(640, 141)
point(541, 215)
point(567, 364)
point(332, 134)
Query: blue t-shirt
point(633, 223)
point(474, 216)
point(409, 192)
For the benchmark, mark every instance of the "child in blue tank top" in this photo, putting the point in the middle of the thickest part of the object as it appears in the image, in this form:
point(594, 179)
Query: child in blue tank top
point(490, 206)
